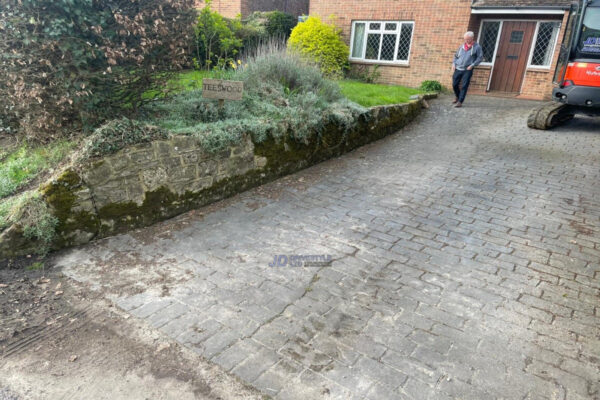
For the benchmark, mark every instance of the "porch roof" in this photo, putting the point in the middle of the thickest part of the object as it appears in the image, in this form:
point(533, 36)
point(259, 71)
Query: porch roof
point(521, 4)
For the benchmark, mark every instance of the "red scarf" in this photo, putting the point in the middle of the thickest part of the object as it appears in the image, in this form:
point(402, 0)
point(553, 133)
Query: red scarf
point(467, 47)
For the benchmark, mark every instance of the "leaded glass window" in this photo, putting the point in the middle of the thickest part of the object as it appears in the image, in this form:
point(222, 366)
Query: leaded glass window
point(488, 39)
point(383, 41)
point(544, 44)
point(405, 42)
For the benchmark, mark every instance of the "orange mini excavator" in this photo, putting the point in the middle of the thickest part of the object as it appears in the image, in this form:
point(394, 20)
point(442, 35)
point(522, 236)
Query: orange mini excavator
point(577, 74)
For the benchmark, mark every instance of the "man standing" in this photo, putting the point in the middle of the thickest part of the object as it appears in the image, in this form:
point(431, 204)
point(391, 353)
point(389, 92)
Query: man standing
point(468, 56)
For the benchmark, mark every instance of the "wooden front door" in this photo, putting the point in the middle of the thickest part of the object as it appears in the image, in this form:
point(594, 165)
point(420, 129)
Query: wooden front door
point(513, 56)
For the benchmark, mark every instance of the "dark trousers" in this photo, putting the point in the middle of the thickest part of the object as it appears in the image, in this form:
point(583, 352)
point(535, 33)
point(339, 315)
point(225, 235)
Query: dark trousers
point(461, 90)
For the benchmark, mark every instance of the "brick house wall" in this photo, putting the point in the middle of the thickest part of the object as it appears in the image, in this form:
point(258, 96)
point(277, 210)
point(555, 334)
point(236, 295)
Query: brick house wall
point(227, 8)
point(294, 7)
point(233, 8)
point(439, 29)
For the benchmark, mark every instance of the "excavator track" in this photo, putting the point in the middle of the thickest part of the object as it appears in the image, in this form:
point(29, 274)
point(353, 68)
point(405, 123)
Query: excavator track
point(549, 115)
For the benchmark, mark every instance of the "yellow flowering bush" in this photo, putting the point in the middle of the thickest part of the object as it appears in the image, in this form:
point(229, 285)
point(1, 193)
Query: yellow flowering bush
point(321, 43)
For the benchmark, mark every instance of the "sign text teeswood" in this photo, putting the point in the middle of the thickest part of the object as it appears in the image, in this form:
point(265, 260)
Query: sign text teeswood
point(222, 90)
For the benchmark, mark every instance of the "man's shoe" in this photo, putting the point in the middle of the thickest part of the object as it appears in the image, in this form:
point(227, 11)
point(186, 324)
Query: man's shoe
point(458, 104)
point(455, 101)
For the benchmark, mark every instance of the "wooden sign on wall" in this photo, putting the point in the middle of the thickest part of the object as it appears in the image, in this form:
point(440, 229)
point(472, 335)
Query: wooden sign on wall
point(222, 90)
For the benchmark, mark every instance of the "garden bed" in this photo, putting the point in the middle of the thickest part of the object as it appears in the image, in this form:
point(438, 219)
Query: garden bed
point(364, 94)
point(185, 152)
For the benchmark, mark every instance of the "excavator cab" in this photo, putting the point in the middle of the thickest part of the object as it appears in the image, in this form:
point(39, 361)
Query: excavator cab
point(565, 48)
point(577, 75)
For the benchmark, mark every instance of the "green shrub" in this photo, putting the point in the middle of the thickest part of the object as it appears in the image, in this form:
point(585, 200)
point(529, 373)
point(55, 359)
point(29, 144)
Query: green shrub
point(260, 27)
point(251, 34)
point(431, 86)
point(118, 134)
point(217, 45)
point(267, 24)
point(322, 44)
point(280, 24)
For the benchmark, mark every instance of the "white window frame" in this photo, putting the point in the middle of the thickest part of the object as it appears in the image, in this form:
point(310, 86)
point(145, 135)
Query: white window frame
point(381, 31)
point(535, 38)
point(491, 64)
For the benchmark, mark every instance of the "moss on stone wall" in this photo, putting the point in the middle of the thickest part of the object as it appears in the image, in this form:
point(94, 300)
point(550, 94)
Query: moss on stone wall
point(74, 226)
point(162, 204)
point(71, 199)
point(59, 193)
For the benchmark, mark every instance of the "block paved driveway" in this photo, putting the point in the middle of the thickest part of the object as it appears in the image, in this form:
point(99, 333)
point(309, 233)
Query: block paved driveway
point(467, 266)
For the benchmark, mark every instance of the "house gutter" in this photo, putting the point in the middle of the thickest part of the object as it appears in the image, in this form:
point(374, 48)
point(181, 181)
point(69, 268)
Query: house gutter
point(558, 10)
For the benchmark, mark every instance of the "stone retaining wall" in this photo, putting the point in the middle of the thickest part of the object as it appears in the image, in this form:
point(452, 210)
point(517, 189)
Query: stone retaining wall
point(147, 183)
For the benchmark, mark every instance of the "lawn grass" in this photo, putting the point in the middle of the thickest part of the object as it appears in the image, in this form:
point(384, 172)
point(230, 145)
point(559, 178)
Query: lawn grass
point(187, 80)
point(25, 163)
point(6, 148)
point(365, 94)
point(191, 80)
point(9, 206)
point(369, 95)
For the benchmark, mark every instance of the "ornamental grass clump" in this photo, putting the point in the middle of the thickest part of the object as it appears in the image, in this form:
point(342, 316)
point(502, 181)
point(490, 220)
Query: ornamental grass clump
point(285, 71)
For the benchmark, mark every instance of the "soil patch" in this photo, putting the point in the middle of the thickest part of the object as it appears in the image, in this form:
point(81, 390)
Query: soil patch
point(57, 341)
